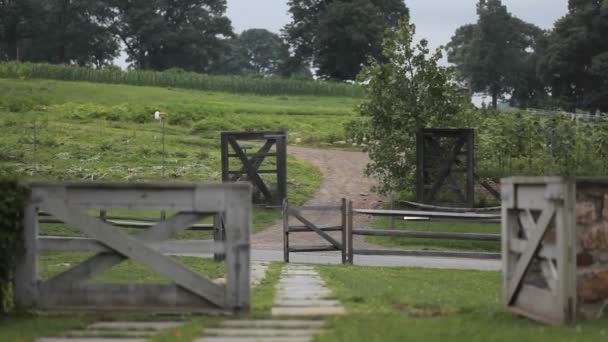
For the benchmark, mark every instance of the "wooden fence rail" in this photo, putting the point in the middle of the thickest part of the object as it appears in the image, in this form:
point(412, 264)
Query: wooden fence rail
point(432, 216)
point(71, 203)
point(299, 213)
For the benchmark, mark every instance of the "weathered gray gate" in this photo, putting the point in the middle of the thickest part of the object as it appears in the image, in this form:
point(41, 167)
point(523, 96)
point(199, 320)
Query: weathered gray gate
point(445, 165)
point(306, 225)
point(249, 163)
point(539, 248)
point(190, 291)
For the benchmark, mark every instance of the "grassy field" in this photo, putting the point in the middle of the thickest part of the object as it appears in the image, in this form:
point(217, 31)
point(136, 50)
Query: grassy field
point(27, 326)
point(100, 132)
point(397, 304)
point(437, 244)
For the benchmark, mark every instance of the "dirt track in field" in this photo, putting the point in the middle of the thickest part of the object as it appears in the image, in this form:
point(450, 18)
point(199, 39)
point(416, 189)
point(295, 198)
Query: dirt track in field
point(342, 177)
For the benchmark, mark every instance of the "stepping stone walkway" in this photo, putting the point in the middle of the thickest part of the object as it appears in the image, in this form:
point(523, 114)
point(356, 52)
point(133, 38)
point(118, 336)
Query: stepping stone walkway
point(301, 293)
point(123, 331)
point(114, 332)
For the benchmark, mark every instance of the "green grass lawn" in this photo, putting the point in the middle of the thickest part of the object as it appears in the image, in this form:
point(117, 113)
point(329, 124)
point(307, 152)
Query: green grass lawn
point(436, 244)
point(99, 132)
point(414, 304)
point(27, 326)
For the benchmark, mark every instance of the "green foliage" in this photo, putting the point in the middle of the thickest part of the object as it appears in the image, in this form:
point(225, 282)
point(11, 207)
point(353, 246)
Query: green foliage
point(12, 204)
point(406, 90)
point(575, 63)
point(254, 51)
point(188, 80)
point(386, 304)
point(159, 35)
point(338, 36)
point(56, 32)
point(494, 55)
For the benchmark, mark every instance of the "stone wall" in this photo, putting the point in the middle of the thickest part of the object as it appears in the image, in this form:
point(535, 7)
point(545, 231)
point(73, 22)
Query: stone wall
point(592, 256)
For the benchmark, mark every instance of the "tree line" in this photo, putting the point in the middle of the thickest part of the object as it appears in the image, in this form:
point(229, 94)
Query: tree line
point(562, 68)
point(501, 55)
point(332, 37)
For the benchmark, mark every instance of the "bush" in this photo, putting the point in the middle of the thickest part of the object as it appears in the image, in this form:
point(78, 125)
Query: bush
point(13, 198)
point(213, 125)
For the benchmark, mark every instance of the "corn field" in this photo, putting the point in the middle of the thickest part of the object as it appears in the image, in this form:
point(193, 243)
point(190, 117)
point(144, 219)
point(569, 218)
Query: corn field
point(187, 80)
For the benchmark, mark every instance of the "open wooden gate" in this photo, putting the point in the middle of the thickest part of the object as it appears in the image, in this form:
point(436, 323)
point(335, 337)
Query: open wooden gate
point(538, 248)
point(189, 291)
point(445, 166)
point(307, 225)
point(249, 163)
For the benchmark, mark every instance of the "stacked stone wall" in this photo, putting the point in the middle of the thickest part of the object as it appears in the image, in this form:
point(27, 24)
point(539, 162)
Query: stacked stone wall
point(592, 249)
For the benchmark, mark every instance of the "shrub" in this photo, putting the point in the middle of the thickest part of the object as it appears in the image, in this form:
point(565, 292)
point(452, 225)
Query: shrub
point(12, 203)
point(213, 125)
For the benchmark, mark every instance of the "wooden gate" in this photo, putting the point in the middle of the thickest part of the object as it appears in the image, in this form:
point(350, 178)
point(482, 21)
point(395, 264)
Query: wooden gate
point(306, 225)
point(538, 248)
point(249, 163)
point(445, 166)
point(190, 291)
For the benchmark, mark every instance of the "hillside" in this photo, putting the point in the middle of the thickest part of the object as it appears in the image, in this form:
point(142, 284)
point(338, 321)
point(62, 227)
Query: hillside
point(87, 131)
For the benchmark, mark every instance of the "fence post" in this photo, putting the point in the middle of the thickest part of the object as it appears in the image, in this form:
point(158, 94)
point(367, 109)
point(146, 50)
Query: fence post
point(285, 231)
point(218, 234)
point(343, 211)
point(349, 232)
point(26, 272)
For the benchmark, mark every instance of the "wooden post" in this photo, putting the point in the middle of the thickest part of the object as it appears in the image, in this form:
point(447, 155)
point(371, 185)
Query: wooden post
point(26, 272)
point(285, 231)
point(281, 150)
point(224, 154)
point(391, 219)
point(237, 263)
point(103, 215)
point(218, 235)
point(420, 166)
point(343, 211)
point(349, 230)
point(470, 172)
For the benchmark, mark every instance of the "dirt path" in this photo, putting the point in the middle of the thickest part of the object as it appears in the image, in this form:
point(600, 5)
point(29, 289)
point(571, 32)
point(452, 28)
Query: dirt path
point(343, 177)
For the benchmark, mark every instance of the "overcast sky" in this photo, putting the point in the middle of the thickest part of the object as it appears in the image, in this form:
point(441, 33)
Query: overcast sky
point(436, 20)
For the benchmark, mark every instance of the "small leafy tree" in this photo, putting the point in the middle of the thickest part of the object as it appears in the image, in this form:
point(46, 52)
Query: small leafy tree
point(406, 90)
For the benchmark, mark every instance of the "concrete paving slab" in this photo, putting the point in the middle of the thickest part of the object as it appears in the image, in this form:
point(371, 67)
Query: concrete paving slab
point(308, 311)
point(307, 302)
point(126, 325)
point(275, 323)
point(255, 339)
point(262, 332)
point(109, 333)
point(89, 339)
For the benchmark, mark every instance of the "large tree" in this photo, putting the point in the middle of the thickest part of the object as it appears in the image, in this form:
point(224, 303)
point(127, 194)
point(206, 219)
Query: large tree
point(493, 55)
point(161, 34)
point(19, 20)
point(75, 33)
point(338, 36)
point(56, 31)
point(575, 65)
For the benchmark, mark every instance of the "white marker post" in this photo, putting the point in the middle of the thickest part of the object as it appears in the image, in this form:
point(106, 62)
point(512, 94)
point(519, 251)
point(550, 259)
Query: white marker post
point(161, 116)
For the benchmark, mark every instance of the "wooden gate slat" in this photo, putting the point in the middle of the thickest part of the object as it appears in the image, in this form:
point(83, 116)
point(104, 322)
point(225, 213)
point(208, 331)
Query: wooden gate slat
point(313, 227)
point(103, 261)
point(257, 159)
point(537, 230)
point(251, 172)
point(132, 248)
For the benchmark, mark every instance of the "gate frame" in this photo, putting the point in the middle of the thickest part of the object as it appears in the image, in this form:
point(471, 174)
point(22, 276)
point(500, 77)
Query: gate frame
point(520, 195)
point(308, 226)
point(190, 291)
point(250, 163)
point(467, 140)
